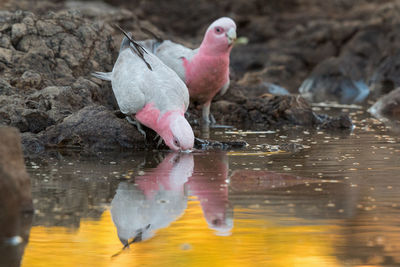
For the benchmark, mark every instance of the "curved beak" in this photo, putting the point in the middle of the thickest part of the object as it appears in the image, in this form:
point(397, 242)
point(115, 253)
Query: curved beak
point(231, 34)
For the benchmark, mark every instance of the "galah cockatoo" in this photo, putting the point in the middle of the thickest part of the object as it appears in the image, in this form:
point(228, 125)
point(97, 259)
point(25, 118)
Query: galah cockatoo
point(150, 92)
point(205, 70)
point(155, 200)
point(209, 183)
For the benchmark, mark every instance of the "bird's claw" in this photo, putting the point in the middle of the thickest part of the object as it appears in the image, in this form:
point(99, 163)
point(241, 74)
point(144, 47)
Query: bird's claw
point(212, 119)
point(209, 120)
point(138, 126)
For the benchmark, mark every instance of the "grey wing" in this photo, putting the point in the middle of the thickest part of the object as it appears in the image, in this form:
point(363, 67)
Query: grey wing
point(150, 44)
point(172, 55)
point(168, 91)
point(134, 84)
point(127, 82)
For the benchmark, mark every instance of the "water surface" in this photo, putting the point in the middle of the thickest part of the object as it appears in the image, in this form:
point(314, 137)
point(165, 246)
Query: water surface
point(330, 200)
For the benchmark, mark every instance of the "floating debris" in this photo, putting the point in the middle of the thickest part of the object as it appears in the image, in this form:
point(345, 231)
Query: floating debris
point(186, 246)
point(336, 105)
point(236, 153)
point(224, 145)
point(249, 132)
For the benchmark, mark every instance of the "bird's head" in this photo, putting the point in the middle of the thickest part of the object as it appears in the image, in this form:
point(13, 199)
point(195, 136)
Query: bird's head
point(220, 36)
point(177, 132)
point(221, 220)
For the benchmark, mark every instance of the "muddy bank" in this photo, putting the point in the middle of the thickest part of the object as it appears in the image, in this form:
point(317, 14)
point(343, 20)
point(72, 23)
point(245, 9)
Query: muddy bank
point(48, 53)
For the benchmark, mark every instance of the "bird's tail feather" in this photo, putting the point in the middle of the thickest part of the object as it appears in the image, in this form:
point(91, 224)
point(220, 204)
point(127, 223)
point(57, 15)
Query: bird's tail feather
point(102, 75)
point(152, 44)
point(154, 35)
point(136, 47)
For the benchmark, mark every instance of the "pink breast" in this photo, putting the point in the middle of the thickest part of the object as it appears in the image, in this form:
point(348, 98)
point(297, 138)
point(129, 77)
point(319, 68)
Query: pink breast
point(206, 75)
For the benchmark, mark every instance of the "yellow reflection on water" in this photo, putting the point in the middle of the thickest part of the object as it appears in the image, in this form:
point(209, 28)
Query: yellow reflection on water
point(186, 242)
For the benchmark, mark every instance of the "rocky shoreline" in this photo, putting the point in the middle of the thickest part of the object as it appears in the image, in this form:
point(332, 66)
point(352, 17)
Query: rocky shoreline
point(48, 53)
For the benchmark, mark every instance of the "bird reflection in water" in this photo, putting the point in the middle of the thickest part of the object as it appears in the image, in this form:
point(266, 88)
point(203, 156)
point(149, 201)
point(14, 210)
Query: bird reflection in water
point(153, 201)
point(158, 198)
point(209, 184)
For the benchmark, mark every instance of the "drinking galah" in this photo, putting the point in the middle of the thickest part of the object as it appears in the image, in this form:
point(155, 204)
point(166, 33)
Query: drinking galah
point(150, 92)
point(155, 200)
point(205, 70)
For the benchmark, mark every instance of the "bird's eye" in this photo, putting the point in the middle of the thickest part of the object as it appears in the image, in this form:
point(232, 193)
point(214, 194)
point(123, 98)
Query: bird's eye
point(216, 222)
point(176, 142)
point(218, 30)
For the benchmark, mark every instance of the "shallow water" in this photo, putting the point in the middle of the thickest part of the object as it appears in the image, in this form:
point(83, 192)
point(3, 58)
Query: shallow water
point(331, 200)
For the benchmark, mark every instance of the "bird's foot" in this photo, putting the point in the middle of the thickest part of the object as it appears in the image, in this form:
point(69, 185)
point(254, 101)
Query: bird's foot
point(208, 119)
point(213, 123)
point(138, 126)
point(212, 120)
point(205, 121)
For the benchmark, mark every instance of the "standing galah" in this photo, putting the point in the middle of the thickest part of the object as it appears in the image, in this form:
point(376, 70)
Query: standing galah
point(205, 70)
point(209, 183)
point(150, 92)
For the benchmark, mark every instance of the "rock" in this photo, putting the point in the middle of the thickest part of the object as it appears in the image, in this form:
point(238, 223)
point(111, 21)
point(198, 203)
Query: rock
point(288, 147)
point(5, 55)
point(59, 46)
point(36, 120)
point(387, 106)
point(257, 85)
point(5, 87)
point(48, 28)
point(93, 128)
point(18, 30)
point(334, 80)
point(270, 111)
point(30, 42)
point(30, 79)
point(224, 145)
point(258, 64)
point(15, 187)
point(267, 110)
point(386, 76)
point(99, 10)
point(5, 41)
point(11, 112)
point(32, 143)
point(342, 122)
point(70, 51)
point(61, 101)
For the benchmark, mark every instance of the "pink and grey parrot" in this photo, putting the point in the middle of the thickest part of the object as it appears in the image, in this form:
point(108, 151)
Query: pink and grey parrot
point(209, 183)
point(150, 92)
point(154, 201)
point(205, 70)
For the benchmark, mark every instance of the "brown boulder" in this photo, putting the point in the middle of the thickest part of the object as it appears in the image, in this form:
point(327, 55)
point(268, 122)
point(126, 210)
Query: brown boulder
point(15, 187)
point(387, 106)
point(94, 128)
point(267, 110)
point(335, 79)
